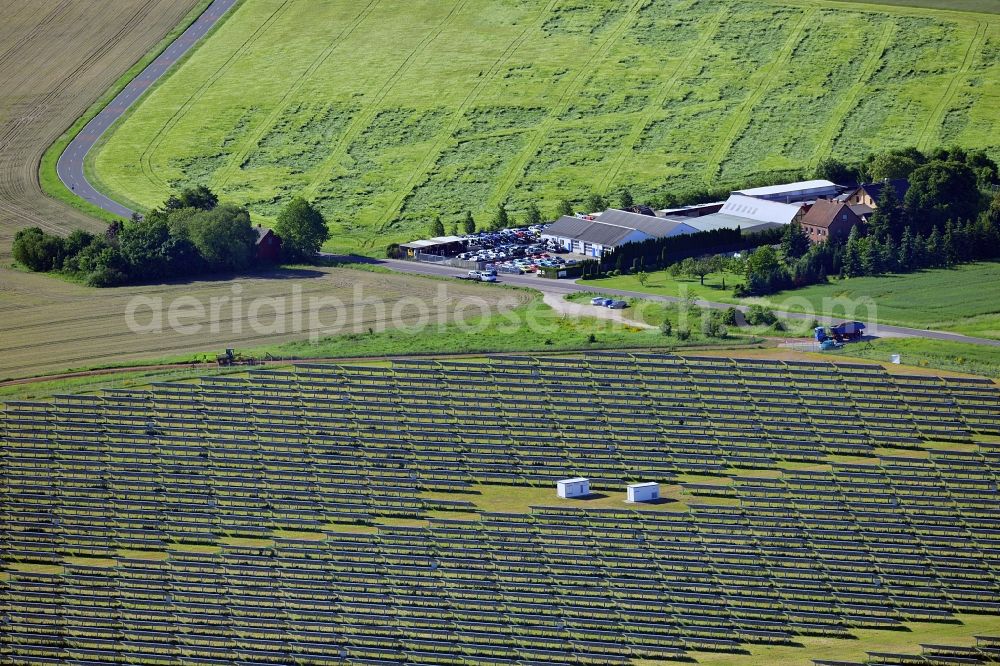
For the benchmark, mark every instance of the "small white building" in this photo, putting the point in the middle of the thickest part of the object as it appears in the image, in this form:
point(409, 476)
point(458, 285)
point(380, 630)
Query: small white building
point(570, 488)
point(643, 492)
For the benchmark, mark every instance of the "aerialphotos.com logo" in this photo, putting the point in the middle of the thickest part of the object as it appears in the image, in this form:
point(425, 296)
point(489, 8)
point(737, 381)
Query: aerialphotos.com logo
point(319, 316)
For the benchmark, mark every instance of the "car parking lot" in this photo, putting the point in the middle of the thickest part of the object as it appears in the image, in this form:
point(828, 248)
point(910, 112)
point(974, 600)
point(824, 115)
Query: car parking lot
point(515, 251)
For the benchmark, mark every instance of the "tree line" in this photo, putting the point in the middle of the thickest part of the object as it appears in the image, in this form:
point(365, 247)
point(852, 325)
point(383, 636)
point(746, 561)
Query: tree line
point(191, 234)
point(949, 215)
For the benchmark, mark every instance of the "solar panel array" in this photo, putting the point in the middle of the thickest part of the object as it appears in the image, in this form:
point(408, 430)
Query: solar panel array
point(985, 651)
point(314, 449)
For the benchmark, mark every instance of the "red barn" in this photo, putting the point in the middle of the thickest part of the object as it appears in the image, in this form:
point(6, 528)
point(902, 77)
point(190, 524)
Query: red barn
point(268, 245)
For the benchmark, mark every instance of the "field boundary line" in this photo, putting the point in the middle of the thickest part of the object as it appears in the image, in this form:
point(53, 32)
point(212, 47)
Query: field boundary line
point(655, 105)
point(936, 119)
point(430, 158)
point(518, 166)
point(145, 159)
point(253, 139)
point(766, 77)
point(362, 120)
point(849, 101)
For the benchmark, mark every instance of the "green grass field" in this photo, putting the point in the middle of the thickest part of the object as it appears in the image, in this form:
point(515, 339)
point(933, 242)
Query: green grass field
point(388, 114)
point(963, 300)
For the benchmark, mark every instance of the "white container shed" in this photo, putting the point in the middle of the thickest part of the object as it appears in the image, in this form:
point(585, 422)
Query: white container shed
point(643, 492)
point(569, 488)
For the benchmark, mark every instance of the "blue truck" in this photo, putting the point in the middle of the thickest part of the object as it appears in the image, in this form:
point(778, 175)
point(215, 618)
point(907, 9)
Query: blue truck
point(848, 331)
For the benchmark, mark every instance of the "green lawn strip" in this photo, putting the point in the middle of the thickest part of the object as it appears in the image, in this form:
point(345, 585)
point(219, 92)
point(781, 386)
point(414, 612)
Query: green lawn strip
point(534, 326)
point(690, 317)
point(929, 354)
point(718, 287)
point(47, 175)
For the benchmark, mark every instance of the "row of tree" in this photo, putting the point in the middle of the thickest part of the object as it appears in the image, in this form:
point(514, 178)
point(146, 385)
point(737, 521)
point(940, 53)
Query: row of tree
point(883, 248)
point(191, 234)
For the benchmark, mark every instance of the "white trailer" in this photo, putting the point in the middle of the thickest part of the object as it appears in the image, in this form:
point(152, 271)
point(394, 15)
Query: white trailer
point(643, 492)
point(570, 488)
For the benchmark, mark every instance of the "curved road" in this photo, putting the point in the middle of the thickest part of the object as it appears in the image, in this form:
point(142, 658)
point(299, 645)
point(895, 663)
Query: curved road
point(71, 163)
point(71, 171)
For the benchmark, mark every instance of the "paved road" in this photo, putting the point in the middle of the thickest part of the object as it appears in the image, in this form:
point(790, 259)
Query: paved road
point(70, 165)
point(571, 287)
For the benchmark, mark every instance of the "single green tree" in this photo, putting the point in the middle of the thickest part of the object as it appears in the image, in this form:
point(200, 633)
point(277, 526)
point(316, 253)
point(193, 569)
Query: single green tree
point(533, 216)
point(904, 256)
point(852, 254)
point(625, 200)
point(888, 219)
point(302, 230)
point(565, 208)
point(37, 250)
point(794, 242)
point(933, 248)
point(469, 224)
point(224, 237)
point(199, 197)
point(596, 203)
point(502, 218)
point(437, 227)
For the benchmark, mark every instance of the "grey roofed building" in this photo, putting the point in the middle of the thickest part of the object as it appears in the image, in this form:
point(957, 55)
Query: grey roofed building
point(594, 236)
point(657, 227)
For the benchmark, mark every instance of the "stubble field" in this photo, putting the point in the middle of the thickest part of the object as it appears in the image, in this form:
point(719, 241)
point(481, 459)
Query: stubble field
point(390, 114)
point(67, 326)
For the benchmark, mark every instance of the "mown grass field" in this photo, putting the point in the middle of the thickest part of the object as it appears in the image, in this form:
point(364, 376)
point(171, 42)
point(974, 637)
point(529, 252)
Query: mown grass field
point(964, 300)
point(388, 114)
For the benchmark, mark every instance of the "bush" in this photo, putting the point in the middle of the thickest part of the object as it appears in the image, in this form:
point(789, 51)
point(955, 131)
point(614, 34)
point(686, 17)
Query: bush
point(758, 315)
point(37, 250)
point(712, 327)
point(666, 328)
point(730, 317)
point(683, 334)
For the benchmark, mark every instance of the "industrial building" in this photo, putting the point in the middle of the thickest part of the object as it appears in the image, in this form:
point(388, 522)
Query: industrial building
point(807, 190)
point(594, 235)
point(749, 214)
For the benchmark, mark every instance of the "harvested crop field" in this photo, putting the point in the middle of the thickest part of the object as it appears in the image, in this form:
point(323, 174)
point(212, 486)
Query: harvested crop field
point(67, 326)
point(388, 114)
point(56, 58)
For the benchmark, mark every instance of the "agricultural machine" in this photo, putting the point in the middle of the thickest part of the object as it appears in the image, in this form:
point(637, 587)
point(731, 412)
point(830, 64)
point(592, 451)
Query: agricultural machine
point(232, 357)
